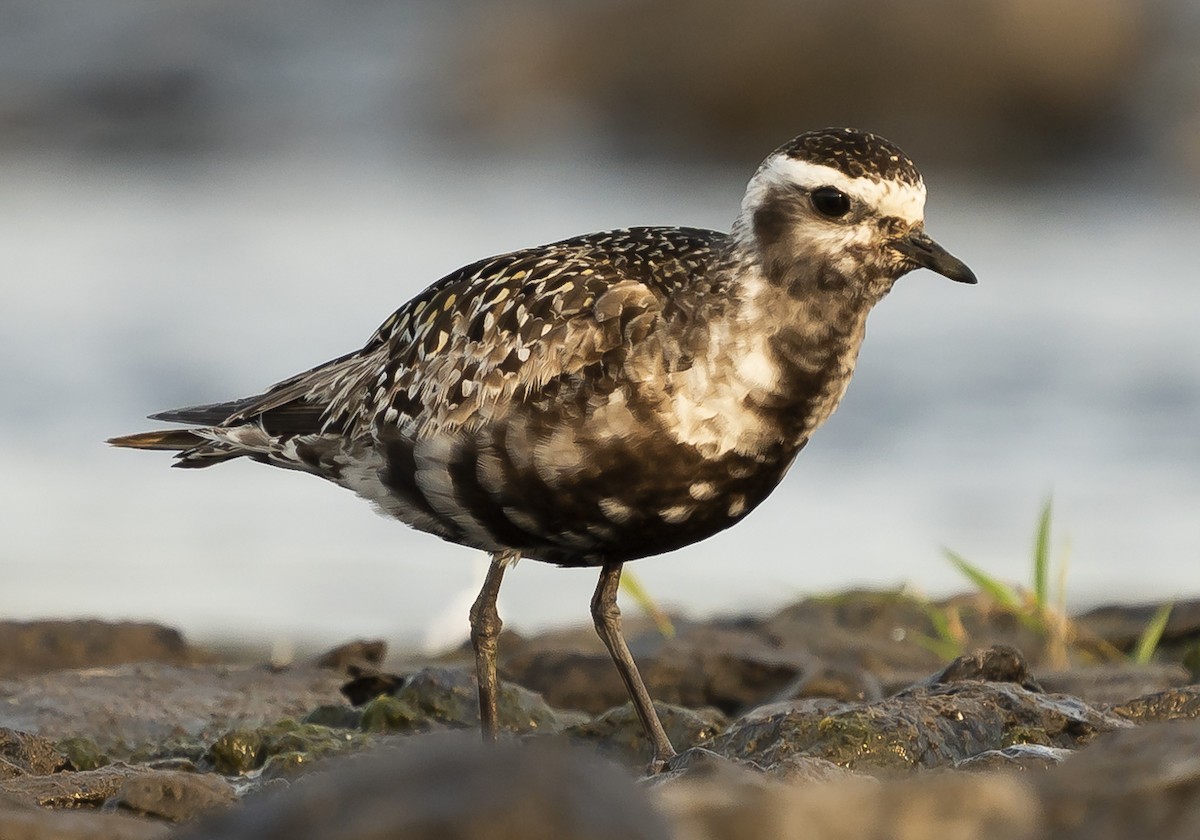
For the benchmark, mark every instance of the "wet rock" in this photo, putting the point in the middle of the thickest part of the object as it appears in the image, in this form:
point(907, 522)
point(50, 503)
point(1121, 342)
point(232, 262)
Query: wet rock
point(1122, 625)
point(832, 682)
point(36, 647)
point(150, 710)
point(83, 753)
point(618, 732)
point(1135, 783)
point(387, 714)
point(288, 765)
point(182, 765)
point(700, 763)
point(8, 770)
point(922, 727)
point(236, 752)
point(701, 760)
point(808, 769)
point(1131, 783)
point(362, 688)
point(174, 748)
point(440, 697)
point(572, 679)
point(24, 754)
point(174, 796)
point(869, 631)
point(335, 715)
point(1109, 684)
point(998, 663)
point(21, 821)
point(357, 654)
point(852, 646)
point(1172, 704)
point(887, 635)
point(449, 785)
point(85, 788)
point(951, 806)
point(724, 665)
point(802, 706)
point(1016, 757)
point(243, 750)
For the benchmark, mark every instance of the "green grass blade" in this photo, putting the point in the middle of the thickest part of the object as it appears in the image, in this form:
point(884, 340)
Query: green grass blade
point(642, 598)
point(1152, 635)
point(1041, 557)
point(944, 643)
point(1000, 592)
point(941, 623)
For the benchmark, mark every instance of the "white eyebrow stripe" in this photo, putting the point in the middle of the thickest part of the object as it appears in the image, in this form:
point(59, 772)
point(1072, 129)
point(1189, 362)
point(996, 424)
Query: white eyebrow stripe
point(891, 198)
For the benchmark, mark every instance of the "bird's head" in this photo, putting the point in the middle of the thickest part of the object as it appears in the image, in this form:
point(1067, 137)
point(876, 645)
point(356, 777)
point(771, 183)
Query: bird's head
point(840, 209)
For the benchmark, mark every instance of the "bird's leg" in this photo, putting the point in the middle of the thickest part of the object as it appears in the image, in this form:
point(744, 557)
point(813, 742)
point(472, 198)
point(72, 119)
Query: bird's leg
point(485, 628)
point(607, 617)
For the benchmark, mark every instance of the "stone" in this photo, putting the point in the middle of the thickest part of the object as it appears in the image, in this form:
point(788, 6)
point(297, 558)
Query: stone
point(21, 821)
point(922, 727)
point(1122, 625)
point(1115, 683)
point(720, 664)
point(37, 647)
point(808, 769)
point(81, 789)
point(335, 715)
point(441, 697)
point(152, 710)
point(356, 654)
point(82, 752)
point(1172, 704)
point(998, 663)
point(618, 732)
point(241, 751)
point(947, 806)
point(1016, 757)
point(833, 682)
point(173, 795)
point(1134, 783)
point(24, 754)
point(431, 787)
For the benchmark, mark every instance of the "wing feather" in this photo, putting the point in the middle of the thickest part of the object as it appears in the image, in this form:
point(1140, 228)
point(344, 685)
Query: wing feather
point(496, 331)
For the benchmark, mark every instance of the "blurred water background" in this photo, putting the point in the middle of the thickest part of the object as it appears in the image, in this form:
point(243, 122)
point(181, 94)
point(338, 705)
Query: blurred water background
point(199, 199)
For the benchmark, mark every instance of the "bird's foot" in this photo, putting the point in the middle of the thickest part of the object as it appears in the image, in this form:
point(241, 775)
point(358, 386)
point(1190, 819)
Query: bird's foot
point(660, 763)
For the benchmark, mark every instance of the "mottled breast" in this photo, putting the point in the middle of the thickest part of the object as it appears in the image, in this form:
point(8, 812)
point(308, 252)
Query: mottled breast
point(523, 403)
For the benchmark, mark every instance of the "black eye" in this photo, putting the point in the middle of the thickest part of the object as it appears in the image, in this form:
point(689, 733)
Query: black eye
point(831, 202)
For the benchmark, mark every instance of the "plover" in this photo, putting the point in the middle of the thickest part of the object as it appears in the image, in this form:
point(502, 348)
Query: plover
point(607, 397)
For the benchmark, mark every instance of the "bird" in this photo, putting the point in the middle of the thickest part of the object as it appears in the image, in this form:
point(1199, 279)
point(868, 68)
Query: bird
point(607, 397)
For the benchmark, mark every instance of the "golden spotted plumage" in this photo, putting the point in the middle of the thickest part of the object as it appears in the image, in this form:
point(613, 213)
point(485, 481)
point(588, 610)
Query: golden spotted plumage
point(610, 396)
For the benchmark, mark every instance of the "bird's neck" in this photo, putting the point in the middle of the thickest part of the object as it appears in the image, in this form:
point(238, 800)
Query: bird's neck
point(811, 337)
point(772, 366)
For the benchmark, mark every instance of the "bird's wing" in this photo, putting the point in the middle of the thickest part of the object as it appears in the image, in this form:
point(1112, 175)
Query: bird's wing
point(502, 328)
point(495, 331)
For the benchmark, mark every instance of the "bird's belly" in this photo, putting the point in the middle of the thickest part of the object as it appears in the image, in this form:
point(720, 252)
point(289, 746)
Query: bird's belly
point(570, 493)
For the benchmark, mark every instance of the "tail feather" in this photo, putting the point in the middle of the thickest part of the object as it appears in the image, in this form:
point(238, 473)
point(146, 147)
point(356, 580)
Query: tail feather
point(191, 450)
point(254, 427)
point(210, 414)
point(291, 416)
point(176, 440)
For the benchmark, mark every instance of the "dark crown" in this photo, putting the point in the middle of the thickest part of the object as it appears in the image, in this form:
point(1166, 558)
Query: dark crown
point(854, 153)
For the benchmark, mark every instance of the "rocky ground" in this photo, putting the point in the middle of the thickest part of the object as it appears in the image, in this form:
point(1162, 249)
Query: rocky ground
point(835, 718)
